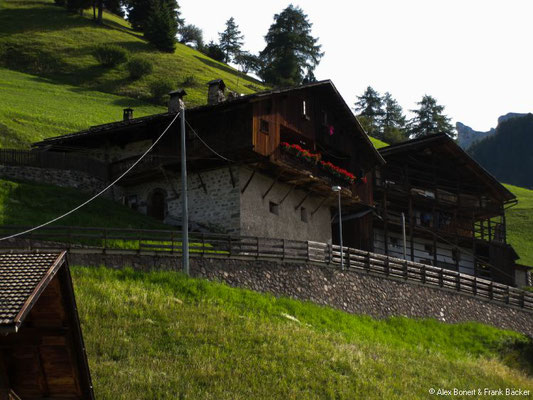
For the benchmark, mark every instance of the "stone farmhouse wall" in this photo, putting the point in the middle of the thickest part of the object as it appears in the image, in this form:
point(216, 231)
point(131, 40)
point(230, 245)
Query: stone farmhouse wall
point(351, 291)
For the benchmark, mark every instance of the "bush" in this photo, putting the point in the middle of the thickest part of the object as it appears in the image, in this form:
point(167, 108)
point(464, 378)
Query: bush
point(139, 67)
point(159, 89)
point(109, 55)
point(190, 81)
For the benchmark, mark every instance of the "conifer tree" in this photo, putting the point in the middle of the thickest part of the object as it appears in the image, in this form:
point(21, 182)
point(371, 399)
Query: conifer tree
point(231, 40)
point(291, 53)
point(393, 121)
point(369, 107)
point(161, 26)
point(429, 119)
point(140, 10)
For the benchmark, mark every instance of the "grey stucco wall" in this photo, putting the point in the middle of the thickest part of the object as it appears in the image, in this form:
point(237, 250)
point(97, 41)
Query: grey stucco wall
point(257, 220)
point(351, 291)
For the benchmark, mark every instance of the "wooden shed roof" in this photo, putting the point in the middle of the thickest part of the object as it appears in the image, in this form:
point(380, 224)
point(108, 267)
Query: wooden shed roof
point(42, 354)
point(23, 277)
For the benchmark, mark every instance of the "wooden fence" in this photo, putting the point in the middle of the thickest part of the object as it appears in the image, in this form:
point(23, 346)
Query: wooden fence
point(168, 243)
point(56, 160)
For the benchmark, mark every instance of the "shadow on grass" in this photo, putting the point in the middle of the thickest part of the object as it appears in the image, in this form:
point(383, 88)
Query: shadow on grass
point(229, 70)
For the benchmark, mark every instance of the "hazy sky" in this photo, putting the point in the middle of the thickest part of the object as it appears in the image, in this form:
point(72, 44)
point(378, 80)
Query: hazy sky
point(475, 57)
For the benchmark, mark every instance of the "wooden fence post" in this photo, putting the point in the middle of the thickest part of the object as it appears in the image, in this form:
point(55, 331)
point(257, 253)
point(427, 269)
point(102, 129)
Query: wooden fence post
point(308, 255)
point(441, 278)
point(423, 274)
point(229, 246)
point(405, 270)
point(458, 281)
point(203, 244)
point(491, 294)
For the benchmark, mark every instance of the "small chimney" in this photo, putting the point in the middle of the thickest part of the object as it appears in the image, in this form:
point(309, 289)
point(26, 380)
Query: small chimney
point(175, 101)
point(128, 114)
point(215, 93)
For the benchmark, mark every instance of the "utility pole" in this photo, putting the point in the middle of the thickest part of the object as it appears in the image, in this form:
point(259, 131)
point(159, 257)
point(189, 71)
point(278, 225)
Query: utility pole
point(338, 190)
point(184, 206)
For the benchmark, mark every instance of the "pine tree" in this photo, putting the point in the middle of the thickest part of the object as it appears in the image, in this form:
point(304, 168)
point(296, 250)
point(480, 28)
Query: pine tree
point(291, 52)
point(393, 121)
point(231, 40)
point(161, 26)
point(140, 10)
point(429, 119)
point(370, 108)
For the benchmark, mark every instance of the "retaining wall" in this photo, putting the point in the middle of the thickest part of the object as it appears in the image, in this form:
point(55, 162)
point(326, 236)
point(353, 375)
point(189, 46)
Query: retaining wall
point(351, 291)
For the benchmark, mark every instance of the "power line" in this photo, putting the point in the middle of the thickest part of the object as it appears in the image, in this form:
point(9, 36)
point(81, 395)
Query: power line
point(99, 193)
point(206, 145)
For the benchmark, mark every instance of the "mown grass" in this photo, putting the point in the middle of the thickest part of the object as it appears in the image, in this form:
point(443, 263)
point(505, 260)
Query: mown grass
point(520, 224)
point(49, 42)
point(163, 335)
point(31, 204)
point(34, 108)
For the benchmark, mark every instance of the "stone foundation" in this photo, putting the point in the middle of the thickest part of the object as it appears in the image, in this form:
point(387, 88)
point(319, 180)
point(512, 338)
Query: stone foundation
point(350, 291)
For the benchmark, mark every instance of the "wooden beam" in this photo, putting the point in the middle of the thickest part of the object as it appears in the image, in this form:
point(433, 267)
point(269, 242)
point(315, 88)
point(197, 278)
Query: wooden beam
point(287, 194)
point(302, 201)
point(231, 175)
point(248, 181)
point(319, 205)
point(202, 182)
point(271, 186)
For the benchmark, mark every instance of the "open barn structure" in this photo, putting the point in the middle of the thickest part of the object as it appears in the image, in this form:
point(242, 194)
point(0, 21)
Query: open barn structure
point(42, 355)
point(454, 210)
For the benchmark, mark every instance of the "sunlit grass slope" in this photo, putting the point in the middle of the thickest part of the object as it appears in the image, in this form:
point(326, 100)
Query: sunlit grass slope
point(160, 335)
point(52, 43)
point(520, 224)
point(34, 108)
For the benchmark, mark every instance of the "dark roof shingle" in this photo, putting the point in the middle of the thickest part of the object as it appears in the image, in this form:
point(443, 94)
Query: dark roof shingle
point(23, 277)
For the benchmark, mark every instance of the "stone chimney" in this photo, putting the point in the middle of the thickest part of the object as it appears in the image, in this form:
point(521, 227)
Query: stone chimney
point(176, 98)
point(128, 114)
point(215, 92)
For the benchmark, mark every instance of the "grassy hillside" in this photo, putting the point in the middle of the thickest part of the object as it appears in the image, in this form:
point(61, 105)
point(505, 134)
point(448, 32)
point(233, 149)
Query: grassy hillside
point(33, 108)
point(520, 224)
point(32, 204)
point(378, 144)
point(42, 39)
point(171, 337)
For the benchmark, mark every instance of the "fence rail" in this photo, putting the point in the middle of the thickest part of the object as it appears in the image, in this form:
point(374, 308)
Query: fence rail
point(57, 160)
point(168, 242)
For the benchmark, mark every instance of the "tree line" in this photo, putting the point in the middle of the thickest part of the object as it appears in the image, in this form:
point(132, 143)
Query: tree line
point(383, 118)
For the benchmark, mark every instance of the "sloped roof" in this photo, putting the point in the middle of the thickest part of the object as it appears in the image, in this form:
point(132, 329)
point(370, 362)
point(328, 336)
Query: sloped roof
point(163, 117)
point(443, 141)
point(23, 277)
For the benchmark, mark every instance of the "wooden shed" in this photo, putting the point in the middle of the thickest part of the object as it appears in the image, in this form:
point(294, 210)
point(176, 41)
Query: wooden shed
point(42, 355)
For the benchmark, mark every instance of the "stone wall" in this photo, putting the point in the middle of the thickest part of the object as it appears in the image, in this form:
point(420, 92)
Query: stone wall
point(60, 177)
point(354, 292)
point(213, 200)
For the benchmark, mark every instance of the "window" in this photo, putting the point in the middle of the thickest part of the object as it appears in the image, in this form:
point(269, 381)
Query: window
point(305, 110)
point(273, 207)
point(263, 126)
point(303, 214)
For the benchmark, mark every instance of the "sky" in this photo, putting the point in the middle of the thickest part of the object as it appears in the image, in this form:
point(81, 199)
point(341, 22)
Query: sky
point(475, 57)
